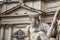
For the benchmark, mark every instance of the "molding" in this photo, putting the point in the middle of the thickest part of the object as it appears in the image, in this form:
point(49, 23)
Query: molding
point(50, 0)
point(25, 15)
point(31, 0)
point(9, 16)
point(17, 24)
point(23, 6)
point(9, 2)
point(53, 7)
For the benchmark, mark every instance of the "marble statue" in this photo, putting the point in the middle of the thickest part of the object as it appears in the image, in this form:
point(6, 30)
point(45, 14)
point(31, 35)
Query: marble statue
point(37, 30)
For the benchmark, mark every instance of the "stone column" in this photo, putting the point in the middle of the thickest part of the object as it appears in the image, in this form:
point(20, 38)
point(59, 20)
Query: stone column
point(2, 32)
point(9, 38)
point(8, 32)
point(12, 31)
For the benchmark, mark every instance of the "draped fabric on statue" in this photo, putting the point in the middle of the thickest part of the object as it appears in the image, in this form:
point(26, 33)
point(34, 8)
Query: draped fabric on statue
point(41, 34)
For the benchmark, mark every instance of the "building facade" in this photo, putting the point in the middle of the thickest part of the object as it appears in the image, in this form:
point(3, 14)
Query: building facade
point(14, 15)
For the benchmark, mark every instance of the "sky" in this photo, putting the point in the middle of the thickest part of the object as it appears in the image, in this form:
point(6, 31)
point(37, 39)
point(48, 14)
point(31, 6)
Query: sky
point(1, 0)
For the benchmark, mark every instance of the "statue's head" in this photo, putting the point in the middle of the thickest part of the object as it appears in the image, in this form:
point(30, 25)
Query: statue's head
point(34, 18)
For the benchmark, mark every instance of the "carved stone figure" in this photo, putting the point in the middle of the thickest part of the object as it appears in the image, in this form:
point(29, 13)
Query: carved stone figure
point(37, 30)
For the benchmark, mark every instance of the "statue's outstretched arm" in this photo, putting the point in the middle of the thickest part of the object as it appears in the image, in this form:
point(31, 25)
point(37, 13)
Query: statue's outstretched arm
point(54, 32)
